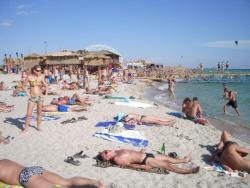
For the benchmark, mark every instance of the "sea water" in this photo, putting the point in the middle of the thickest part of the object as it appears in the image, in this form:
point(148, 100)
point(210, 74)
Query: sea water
point(210, 95)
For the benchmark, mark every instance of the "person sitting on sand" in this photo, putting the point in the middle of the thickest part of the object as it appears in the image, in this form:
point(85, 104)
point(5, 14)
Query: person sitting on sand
point(136, 119)
point(141, 160)
point(62, 108)
point(194, 112)
point(20, 89)
point(74, 100)
point(12, 173)
point(230, 155)
point(186, 105)
point(231, 97)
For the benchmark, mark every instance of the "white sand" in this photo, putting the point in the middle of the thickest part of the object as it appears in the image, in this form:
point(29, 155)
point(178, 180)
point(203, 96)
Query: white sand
point(50, 147)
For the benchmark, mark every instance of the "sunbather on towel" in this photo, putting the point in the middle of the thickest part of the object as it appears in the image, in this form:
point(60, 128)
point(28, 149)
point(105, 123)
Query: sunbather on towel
point(230, 155)
point(62, 108)
point(37, 177)
point(74, 100)
point(141, 160)
point(136, 119)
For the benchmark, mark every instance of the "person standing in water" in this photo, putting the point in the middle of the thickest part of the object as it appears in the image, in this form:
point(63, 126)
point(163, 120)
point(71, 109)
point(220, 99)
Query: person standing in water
point(36, 82)
point(231, 97)
point(171, 85)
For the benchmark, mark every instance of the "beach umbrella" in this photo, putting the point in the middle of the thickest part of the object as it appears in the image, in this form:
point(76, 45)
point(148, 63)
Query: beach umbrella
point(21, 55)
point(10, 55)
point(5, 55)
point(236, 43)
point(17, 54)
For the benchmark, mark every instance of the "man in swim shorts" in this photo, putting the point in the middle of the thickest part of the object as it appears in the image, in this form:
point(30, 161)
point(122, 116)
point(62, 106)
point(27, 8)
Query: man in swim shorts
point(231, 97)
point(139, 159)
point(62, 108)
point(37, 177)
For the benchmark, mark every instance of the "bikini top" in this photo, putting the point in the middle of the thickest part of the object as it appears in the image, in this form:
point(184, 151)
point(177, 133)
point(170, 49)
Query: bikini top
point(34, 83)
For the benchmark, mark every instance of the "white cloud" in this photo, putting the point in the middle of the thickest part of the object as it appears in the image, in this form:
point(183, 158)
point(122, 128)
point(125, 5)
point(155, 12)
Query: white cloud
point(6, 23)
point(25, 10)
point(228, 44)
point(20, 7)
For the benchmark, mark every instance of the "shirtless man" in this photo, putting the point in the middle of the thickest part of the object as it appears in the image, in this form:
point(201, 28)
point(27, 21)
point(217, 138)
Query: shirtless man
point(37, 177)
point(136, 159)
point(231, 155)
point(194, 112)
point(62, 108)
point(171, 84)
point(231, 97)
point(136, 119)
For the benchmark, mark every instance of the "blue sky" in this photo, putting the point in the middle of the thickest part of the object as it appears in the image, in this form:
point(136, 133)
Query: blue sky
point(171, 32)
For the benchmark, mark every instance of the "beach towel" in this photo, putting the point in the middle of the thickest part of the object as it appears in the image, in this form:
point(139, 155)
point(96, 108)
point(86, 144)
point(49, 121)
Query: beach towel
point(105, 164)
point(112, 123)
point(135, 104)
point(126, 99)
point(220, 169)
point(44, 118)
point(176, 114)
point(3, 185)
point(132, 137)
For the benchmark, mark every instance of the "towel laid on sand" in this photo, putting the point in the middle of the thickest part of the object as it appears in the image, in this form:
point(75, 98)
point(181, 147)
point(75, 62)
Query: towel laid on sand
point(132, 137)
point(220, 169)
point(105, 164)
point(176, 114)
point(112, 123)
point(135, 104)
point(44, 118)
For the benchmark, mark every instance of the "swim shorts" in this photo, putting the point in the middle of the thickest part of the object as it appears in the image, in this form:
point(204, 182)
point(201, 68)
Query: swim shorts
point(62, 108)
point(233, 104)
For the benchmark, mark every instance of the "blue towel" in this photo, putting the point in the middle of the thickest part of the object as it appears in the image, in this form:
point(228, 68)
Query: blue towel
point(111, 123)
point(132, 137)
point(176, 114)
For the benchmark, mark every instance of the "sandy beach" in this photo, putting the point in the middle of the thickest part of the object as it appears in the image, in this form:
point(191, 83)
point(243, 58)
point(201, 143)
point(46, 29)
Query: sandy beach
point(56, 141)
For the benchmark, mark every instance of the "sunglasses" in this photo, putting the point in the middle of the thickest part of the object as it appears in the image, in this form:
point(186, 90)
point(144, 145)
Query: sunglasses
point(38, 70)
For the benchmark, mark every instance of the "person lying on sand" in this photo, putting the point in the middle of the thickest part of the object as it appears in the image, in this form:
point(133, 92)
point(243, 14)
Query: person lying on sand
point(99, 91)
point(193, 111)
point(6, 108)
point(2, 86)
point(20, 89)
point(136, 119)
point(139, 159)
point(70, 86)
point(62, 108)
point(74, 100)
point(13, 173)
point(230, 155)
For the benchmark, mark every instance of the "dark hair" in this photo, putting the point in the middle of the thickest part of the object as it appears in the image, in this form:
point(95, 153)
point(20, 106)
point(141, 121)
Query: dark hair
point(99, 157)
point(187, 99)
point(195, 99)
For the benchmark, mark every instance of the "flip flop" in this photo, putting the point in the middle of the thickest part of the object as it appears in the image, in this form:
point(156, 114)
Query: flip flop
point(72, 161)
point(80, 155)
point(82, 118)
point(72, 120)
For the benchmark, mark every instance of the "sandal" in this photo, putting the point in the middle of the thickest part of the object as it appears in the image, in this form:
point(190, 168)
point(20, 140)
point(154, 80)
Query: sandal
point(72, 120)
point(72, 161)
point(82, 118)
point(79, 155)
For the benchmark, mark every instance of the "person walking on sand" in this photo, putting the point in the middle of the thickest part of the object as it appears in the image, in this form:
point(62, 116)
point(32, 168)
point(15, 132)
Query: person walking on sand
point(36, 82)
point(141, 160)
point(171, 85)
point(13, 173)
point(231, 97)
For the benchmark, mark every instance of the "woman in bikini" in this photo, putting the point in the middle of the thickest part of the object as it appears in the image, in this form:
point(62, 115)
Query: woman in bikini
point(136, 119)
point(36, 82)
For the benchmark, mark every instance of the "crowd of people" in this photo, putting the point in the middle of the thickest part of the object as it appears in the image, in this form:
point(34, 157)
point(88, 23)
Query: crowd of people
point(229, 154)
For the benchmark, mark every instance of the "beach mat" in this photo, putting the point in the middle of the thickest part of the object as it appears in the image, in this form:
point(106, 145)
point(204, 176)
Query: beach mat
point(176, 114)
point(112, 123)
point(131, 137)
point(3, 185)
point(105, 164)
point(135, 104)
point(44, 118)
